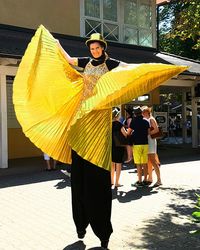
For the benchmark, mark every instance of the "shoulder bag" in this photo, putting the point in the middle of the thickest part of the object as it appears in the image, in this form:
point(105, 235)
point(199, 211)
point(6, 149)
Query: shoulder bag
point(119, 139)
point(159, 134)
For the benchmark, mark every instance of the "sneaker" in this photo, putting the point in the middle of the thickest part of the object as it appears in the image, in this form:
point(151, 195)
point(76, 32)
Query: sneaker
point(146, 183)
point(139, 184)
point(157, 184)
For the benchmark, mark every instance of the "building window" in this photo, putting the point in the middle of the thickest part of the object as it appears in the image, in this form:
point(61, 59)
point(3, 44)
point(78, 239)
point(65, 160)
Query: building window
point(101, 16)
point(124, 21)
point(92, 8)
point(12, 120)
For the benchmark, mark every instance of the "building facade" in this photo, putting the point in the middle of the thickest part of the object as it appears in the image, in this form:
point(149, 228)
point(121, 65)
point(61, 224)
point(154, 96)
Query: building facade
point(124, 21)
point(129, 26)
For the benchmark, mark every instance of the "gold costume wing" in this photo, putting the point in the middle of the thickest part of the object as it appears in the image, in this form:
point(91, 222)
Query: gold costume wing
point(46, 94)
point(124, 83)
point(116, 87)
point(55, 114)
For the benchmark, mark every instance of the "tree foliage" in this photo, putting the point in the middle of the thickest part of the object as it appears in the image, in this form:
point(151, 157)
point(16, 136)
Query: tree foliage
point(179, 28)
point(196, 215)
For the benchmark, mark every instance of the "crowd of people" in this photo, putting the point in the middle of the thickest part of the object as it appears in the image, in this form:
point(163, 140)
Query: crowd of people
point(140, 146)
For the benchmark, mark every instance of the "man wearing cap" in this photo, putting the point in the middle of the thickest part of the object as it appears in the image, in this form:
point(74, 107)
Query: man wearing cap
point(140, 129)
point(91, 185)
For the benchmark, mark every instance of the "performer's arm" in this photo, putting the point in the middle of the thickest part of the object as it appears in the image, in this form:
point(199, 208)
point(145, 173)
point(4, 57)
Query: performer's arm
point(71, 60)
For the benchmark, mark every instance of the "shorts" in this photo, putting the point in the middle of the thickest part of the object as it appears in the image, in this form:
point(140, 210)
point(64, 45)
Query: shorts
point(140, 154)
point(152, 145)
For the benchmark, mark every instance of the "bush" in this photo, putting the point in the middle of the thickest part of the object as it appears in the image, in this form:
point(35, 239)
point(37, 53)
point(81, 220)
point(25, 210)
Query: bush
point(196, 215)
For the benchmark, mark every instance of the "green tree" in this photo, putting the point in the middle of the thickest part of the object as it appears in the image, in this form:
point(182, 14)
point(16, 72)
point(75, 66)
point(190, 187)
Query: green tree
point(179, 28)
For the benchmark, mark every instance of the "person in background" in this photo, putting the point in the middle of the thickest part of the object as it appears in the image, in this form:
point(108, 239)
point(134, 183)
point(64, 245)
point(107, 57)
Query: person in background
point(172, 126)
point(140, 129)
point(153, 161)
point(129, 147)
point(50, 163)
point(117, 151)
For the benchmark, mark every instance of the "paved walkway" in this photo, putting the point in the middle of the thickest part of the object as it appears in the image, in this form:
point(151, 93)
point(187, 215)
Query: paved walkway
point(35, 208)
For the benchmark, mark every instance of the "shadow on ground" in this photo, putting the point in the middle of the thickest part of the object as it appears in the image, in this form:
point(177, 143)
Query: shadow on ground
point(32, 170)
point(171, 229)
point(79, 245)
point(178, 153)
point(132, 195)
point(24, 179)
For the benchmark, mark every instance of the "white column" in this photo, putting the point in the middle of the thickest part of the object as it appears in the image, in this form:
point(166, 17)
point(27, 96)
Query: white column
point(194, 120)
point(3, 122)
point(184, 117)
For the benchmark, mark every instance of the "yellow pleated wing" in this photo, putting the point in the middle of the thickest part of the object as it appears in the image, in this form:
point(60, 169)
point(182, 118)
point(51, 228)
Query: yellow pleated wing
point(116, 87)
point(54, 114)
point(46, 93)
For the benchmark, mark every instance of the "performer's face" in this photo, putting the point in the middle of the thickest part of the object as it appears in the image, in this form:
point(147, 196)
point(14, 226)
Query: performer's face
point(96, 49)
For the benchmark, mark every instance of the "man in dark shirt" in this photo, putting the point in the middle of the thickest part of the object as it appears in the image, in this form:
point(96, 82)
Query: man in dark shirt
point(140, 129)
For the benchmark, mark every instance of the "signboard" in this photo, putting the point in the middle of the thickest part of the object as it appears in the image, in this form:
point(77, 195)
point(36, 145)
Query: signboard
point(161, 118)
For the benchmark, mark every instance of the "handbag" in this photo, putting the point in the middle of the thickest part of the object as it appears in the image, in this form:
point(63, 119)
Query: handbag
point(119, 139)
point(159, 134)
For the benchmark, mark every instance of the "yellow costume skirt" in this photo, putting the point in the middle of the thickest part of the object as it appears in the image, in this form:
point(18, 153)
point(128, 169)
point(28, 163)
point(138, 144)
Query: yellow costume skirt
point(55, 114)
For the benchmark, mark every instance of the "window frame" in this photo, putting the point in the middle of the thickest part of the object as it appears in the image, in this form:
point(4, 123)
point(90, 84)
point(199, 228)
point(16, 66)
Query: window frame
point(121, 25)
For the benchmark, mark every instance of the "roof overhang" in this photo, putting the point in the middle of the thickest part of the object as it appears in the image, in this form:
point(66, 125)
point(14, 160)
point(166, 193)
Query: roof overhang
point(14, 41)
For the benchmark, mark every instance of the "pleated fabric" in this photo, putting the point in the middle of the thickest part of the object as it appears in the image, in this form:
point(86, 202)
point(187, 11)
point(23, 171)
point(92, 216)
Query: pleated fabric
point(56, 115)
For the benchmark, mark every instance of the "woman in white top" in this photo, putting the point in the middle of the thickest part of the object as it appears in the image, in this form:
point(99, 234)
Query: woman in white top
point(153, 161)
